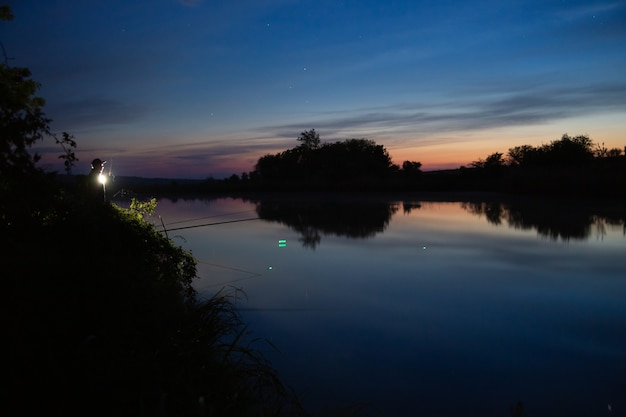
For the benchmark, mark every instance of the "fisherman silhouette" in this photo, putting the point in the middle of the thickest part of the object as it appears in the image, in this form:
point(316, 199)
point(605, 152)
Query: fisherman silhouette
point(96, 180)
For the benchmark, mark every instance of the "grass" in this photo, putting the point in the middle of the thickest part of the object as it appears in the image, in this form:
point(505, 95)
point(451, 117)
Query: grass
point(104, 320)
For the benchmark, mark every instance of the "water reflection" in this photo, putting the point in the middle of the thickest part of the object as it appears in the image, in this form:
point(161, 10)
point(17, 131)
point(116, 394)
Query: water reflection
point(554, 220)
point(313, 218)
point(425, 307)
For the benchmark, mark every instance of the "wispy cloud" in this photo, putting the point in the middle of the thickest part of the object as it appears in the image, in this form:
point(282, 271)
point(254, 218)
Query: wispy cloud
point(590, 10)
point(597, 20)
point(94, 113)
point(473, 113)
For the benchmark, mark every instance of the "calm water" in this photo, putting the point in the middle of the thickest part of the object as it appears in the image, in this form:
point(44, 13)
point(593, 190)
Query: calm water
point(424, 308)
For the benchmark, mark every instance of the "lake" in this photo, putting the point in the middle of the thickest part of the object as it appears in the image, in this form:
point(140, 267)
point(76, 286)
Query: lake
point(409, 306)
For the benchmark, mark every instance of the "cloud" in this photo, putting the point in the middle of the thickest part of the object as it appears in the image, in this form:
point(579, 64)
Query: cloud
point(471, 112)
point(585, 11)
point(93, 113)
point(241, 147)
point(446, 121)
point(600, 20)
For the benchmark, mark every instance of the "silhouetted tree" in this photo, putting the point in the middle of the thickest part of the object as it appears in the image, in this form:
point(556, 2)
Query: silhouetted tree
point(494, 160)
point(614, 152)
point(23, 121)
point(411, 170)
point(565, 151)
point(354, 158)
point(492, 164)
point(329, 163)
point(68, 144)
point(411, 167)
point(25, 193)
point(601, 151)
point(571, 150)
point(519, 155)
point(310, 139)
point(268, 166)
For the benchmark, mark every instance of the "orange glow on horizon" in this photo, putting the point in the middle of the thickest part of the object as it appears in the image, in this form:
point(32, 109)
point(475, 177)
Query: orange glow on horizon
point(453, 152)
point(224, 156)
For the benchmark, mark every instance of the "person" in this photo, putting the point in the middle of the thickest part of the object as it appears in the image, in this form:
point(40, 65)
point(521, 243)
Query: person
point(96, 179)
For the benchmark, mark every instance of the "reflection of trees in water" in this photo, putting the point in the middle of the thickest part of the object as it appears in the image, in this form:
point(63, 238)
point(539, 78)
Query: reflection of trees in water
point(493, 211)
point(601, 224)
point(409, 206)
point(314, 218)
point(552, 220)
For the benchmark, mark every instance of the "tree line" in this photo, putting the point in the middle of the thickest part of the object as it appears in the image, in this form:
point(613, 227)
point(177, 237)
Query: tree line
point(569, 165)
point(567, 151)
point(351, 163)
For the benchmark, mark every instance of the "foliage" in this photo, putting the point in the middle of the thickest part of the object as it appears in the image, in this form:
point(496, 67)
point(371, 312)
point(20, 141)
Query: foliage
point(111, 325)
point(493, 161)
point(23, 121)
point(68, 143)
point(411, 167)
point(519, 155)
point(566, 151)
point(601, 151)
point(104, 318)
point(6, 13)
point(139, 210)
point(569, 165)
point(310, 139)
point(331, 163)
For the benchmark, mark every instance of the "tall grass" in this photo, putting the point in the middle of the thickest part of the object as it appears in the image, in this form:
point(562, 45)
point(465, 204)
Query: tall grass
point(102, 320)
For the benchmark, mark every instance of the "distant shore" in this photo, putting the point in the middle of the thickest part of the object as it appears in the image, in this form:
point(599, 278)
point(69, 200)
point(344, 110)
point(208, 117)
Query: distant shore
point(449, 184)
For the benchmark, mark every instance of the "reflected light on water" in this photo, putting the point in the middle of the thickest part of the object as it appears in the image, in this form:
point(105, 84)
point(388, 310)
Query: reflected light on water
point(425, 308)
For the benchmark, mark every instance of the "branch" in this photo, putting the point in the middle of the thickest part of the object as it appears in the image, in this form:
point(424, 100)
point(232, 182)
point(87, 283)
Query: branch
point(4, 54)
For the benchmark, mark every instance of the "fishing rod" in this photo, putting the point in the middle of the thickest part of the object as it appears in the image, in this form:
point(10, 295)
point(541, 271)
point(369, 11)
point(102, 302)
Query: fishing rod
point(208, 217)
point(111, 169)
point(211, 224)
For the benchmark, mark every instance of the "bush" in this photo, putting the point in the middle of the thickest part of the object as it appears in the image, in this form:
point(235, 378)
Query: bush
point(105, 321)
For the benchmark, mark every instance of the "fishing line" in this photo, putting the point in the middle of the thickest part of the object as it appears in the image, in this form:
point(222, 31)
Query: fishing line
point(209, 217)
point(281, 309)
point(255, 275)
point(252, 274)
point(212, 224)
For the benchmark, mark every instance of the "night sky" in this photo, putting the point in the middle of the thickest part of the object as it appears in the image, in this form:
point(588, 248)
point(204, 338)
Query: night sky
point(193, 88)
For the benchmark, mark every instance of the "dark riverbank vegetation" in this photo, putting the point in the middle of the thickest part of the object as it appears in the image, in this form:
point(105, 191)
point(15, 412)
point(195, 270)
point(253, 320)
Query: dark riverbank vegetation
point(101, 318)
point(101, 315)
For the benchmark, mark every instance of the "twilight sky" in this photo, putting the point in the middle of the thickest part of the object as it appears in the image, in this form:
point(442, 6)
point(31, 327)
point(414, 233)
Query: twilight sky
point(199, 88)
